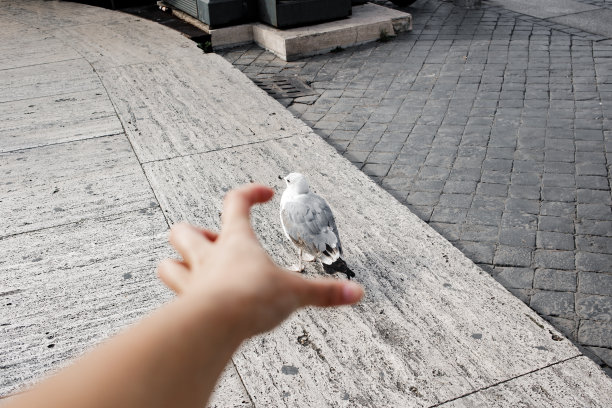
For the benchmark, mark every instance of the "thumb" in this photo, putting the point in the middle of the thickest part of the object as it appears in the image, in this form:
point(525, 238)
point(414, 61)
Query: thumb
point(328, 292)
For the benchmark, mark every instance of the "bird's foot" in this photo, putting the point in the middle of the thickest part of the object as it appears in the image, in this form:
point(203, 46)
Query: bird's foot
point(308, 257)
point(297, 268)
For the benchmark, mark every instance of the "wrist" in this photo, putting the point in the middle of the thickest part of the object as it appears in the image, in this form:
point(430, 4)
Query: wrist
point(216, 317)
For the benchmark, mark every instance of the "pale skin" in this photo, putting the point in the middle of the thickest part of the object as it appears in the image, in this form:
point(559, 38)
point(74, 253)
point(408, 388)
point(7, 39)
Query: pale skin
point(228, 290)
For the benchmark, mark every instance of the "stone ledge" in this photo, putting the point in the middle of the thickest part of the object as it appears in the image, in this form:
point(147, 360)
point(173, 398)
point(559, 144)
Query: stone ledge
point(368, 23)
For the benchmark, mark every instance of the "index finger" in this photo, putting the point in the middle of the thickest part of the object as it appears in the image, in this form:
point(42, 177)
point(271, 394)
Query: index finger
point(237, 205)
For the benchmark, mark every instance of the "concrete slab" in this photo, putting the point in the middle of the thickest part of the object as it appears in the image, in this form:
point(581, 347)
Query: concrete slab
point(69, 182)
point(48, 80)
point(13, 30)
point(367, 23)
point(73, 285)
point(54, 119)
point(595, 21)
point(229, 391)
point(544, 8)
point(555, 386)
point(433, 326)
point(54, 15)
point(191, 105)
point(66, 288)
point(103, 43)
point(16, 53)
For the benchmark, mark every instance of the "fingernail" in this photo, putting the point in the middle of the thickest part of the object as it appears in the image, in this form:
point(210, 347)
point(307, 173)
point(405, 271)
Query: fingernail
point(351, 292)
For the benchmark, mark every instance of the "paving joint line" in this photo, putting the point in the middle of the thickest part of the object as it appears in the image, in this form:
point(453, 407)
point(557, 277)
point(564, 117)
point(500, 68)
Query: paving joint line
point(61, 143)
point(507, 380)
point(77, 222)
point(218, 149)
point(41, 63)
point(46, 96)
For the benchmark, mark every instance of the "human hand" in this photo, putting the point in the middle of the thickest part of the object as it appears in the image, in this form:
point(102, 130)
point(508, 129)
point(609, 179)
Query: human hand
point(232, 270)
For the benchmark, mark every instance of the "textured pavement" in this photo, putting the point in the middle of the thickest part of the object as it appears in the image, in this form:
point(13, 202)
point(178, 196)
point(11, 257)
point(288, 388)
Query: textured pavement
point(113, 128)
point(494, 127)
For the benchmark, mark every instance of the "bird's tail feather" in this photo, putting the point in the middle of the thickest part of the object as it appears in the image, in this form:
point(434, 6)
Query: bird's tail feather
point(339, 266)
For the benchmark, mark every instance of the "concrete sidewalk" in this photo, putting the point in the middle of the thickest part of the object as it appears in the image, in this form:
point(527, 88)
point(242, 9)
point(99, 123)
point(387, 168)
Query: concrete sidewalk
point(113, 128)
point(495, 128)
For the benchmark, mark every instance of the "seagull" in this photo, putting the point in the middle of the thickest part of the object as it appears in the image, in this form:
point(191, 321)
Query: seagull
point(309, 223)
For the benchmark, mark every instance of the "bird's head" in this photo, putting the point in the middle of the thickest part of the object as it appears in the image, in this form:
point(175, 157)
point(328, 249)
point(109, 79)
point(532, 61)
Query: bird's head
point(297, 183)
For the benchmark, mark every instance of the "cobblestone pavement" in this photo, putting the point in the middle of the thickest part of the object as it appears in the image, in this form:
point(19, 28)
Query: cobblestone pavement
point(494, 127)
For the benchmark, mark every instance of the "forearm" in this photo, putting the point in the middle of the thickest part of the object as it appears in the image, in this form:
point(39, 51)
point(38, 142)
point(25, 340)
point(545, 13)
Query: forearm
point(171, 358)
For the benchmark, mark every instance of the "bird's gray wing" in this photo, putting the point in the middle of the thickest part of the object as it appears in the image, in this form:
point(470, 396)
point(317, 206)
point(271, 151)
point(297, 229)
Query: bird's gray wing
point(310, 224)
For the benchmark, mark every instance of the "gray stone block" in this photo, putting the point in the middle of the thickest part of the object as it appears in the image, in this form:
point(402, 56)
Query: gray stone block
point(565, 326)
point(455, 200)
point(594, 211)
point(512, 256)
point(556, 304)
point(594, 307)
point(604, 354)
point(596, 244)
point(523, 205)
point(518, 237)
point(518, 278)
point(554, 240)
point(477, 251)
point(593, 333)
point(590, 262)
point(595, 283)
point(376, 170)
point(593, 196)
point(423, 198)
point(459, 187)
point(552, 279)
point(557, 209)
point(545, 258)
point(560, 194)
point(428, 185)
point(448, 215)
point(448, 231)
point(527, 179)
point(495, 190)
point(555, 224)
point(526, 192)
point(592, 182)
point(513, 219)
point(479, 233)
point(484, 216)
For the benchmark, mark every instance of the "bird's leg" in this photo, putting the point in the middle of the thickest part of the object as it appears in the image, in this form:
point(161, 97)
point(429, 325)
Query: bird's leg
point(299, 267)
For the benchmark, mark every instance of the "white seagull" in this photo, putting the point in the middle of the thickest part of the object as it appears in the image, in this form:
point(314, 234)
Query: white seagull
point(309, 223)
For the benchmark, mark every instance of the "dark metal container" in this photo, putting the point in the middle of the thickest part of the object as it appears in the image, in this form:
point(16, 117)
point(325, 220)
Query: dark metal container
point(292, 13)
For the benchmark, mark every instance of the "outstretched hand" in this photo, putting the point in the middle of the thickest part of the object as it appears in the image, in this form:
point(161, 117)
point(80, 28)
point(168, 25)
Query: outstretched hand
point(232, 270)
point(229, 289)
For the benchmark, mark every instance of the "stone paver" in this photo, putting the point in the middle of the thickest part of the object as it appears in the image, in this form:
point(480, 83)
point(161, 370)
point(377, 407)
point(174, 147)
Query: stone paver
point(496, 128)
